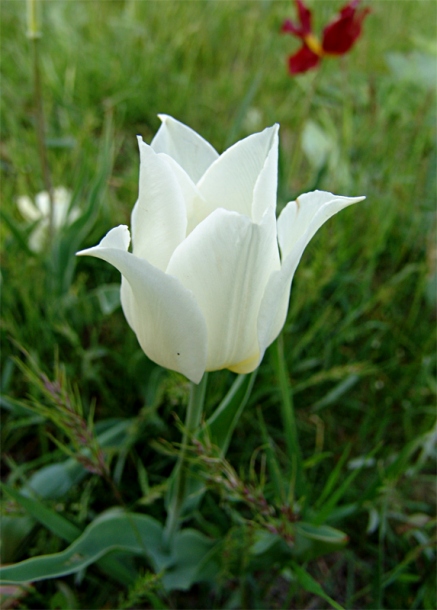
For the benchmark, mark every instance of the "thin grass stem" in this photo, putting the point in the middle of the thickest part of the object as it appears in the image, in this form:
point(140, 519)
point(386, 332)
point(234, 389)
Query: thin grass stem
point(288, 416)
point(34, 34)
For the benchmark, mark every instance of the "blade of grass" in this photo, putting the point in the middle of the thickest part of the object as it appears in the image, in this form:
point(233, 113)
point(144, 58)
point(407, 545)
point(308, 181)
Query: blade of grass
point(288, 415)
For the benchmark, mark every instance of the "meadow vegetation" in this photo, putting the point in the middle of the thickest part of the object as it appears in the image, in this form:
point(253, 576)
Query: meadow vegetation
point(359, 341)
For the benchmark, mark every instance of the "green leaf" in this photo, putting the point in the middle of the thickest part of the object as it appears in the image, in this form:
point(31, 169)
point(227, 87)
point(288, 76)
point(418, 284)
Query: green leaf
point(333, 477)
point(56, 480)
point(70, 239)
point(312, 586)
point(114, 530)
point(289, 423)
point(268, 549)
point(312, 541)
point(49, 518)
point(108, 296)
point(336, 393)
point(272, 462)
point(194, 561)
point(324, 533)
point(222, 422)
point(331, 503)
point(18, 233)
point(66, 530)
point(14, 528)
point(191, 559)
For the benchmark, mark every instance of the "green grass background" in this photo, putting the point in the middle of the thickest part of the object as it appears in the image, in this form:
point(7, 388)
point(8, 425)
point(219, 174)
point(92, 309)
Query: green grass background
point(359, 338)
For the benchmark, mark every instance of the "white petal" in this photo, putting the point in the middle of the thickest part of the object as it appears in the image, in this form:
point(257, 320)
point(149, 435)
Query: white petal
point(28, 209)
point(164, 315)
point(297, 224)
point(230, 181)
point(42, 201)
point(159, 219)
point(38, 237)
point(195, 205)
point(118, 238)
point(303, 217)
point(185, 146)
point(265, 192)
point(61, 202)
point(226, 262)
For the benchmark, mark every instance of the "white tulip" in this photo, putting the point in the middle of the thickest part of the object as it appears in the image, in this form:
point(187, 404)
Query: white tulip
point(208, 281)
point(40, 212)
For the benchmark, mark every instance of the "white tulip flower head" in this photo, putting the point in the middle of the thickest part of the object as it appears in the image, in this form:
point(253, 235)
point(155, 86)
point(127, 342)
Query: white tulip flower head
point(207, 284)
point(39, 211)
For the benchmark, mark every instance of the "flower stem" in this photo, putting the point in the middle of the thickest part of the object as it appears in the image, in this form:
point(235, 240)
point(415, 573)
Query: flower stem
point(34, 35)
point(192, 421)
point(288, 416)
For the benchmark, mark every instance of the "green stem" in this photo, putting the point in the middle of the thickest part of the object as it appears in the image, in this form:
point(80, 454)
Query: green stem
point(192, 421)
point(288, 416)
point(34, 34)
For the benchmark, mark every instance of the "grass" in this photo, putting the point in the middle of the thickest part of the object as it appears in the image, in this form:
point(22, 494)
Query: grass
point(359, 340)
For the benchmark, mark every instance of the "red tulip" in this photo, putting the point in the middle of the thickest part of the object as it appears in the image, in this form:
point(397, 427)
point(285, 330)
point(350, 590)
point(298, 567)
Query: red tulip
point(338, 36)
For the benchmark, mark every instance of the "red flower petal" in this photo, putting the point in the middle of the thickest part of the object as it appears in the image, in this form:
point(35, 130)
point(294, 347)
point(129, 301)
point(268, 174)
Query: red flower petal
point(340, 34)
point(302, 61)
point(304, 17)
point(304, 26)
point(288, 27)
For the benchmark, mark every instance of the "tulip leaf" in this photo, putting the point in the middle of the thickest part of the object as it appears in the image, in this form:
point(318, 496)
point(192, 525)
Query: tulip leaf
point(66, 530)
point(222, 422)
point(194, 561)
point(114, 530)
point(191, 558)
point(54, 481)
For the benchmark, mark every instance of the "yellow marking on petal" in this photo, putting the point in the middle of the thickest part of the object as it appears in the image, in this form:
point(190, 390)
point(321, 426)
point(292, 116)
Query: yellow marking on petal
point(314, 45)
point(245, 366)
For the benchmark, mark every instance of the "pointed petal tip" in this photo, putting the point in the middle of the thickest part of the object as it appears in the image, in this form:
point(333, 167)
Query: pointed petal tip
point(328, 195)
point(117, 238)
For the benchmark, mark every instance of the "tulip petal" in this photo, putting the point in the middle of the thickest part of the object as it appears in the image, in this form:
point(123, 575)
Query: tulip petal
point(164, 315)
point(266, 186)
point(297, 224)
point(340, 34)
point(195, 205)
point(185, 146)
point(230, 181)
point(300, 219)
point(226, 262)
point(305, 18)
point(28, 209)
point(159, 219)
point(303, 60)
